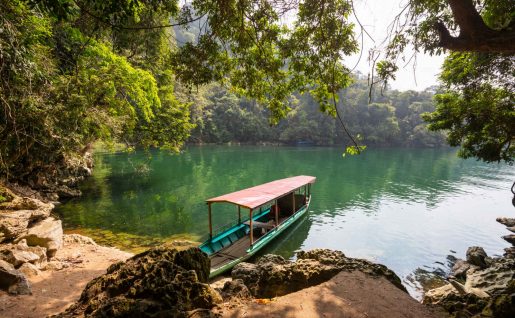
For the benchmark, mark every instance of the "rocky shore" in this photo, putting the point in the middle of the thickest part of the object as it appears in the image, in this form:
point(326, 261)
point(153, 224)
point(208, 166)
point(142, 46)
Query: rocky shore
point(42, 272)
point(480, 286)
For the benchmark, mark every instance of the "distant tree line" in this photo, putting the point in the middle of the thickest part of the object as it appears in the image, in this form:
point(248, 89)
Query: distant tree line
point(392, 119)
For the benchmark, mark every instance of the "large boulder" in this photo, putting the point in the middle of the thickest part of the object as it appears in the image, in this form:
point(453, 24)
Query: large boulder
point(477, 256)
point(47, 233)
point(13, 281)
point(273, 276)
point(160, 282)
point(18, 214)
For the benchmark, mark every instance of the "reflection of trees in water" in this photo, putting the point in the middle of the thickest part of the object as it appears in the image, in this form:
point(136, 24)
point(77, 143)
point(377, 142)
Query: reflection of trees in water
point(291, 240)
point(168, 198)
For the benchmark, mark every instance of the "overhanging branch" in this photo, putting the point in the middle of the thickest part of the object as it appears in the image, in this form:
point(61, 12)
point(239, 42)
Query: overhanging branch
point(475, 35)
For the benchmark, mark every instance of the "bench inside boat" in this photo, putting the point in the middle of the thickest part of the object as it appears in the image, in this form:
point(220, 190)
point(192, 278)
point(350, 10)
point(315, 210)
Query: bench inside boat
point(234, 243)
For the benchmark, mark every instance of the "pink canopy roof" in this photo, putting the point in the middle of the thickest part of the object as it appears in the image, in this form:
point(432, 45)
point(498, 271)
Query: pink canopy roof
point(256, 196)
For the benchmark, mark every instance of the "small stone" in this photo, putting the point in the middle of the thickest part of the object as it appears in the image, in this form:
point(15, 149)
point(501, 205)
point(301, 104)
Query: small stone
point(13, 281)
point(29, 270)
point(506, 221)
point(53, 266)
point(22, 245)
point(476, 256)
point(78, 239)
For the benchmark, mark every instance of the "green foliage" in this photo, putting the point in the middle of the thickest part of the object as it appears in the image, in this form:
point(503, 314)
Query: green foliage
point(222, 117)
point(476, 106)
point(61, 90)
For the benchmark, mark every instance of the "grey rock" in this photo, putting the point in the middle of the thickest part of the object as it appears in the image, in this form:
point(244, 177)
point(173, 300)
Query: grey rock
point(460, 268)
point(506, 221)
point(477, 256)
point(273, 276)
point(509, 252)
point(47, 233)
point(234, 289)
point(493, 279)
point(487, 292)
point(510, 238)
point(13, 281)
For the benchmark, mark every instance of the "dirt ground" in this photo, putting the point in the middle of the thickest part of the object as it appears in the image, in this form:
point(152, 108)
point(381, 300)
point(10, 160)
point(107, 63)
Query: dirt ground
point(352, 295)
point(54, 290)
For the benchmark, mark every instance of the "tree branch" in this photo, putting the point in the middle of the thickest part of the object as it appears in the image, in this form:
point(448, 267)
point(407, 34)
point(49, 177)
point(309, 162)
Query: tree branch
point(475, 35)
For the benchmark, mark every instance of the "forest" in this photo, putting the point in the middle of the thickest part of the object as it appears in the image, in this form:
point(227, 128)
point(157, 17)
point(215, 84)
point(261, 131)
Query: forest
point(392, 119)
point(76, 72)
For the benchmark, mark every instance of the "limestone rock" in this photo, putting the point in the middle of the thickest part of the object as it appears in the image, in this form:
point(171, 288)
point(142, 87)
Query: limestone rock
point(13, 281)
point(29, 270)
point(273, 276)
point(17, 257)
point(509, 252)
point(460, 268)
point(493, 279)
point(18, 214)
point(510, 238)
point(47, 233)
point(477, 256)
point(506, 221)
point(488, 292)
point(78, 239)
point(235, 289)
point(160, 282)
point(53, 266)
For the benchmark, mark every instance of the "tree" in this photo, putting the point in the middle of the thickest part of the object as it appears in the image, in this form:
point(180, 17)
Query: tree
point(475, 102)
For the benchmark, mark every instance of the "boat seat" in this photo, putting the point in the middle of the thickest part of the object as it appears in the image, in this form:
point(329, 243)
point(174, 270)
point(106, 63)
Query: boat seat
point(268, 225)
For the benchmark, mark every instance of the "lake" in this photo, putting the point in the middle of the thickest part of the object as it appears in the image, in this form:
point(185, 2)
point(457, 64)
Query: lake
point(413, 210)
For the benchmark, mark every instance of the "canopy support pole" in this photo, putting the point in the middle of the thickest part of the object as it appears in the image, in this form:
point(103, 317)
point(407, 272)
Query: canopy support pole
point(293, 196)
point(276, 208)
point(239, 214)
point(210, 222)
point(251, 229)
point(305, 198)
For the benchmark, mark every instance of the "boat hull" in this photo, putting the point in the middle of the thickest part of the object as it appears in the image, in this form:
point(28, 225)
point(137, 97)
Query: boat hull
point(263, 241)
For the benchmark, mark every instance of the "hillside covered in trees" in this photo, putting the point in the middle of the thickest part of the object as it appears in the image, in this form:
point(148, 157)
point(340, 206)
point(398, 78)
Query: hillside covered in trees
point(392, 119)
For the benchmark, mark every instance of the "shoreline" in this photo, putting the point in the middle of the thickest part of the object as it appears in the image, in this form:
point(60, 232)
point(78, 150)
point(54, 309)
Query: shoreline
point(59, 281)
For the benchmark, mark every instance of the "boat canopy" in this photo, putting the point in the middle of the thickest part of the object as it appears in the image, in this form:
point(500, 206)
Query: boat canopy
point(257, 196)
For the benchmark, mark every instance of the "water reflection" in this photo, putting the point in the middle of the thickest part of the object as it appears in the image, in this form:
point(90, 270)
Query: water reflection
point(404, 208)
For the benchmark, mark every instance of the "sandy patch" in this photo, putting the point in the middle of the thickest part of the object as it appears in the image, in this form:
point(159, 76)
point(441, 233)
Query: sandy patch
point(353, 295)
point(54, 290)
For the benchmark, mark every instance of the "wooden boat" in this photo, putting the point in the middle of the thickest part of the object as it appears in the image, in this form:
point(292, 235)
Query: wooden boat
point(272, 207)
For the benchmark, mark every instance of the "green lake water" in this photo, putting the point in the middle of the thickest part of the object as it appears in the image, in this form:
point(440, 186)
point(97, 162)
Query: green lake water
point(410, 209)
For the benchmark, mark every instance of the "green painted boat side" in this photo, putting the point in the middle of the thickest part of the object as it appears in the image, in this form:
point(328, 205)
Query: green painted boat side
point(262, 241)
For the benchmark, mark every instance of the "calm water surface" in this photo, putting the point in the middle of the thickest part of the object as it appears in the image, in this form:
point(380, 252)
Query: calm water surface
point(410, 209)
